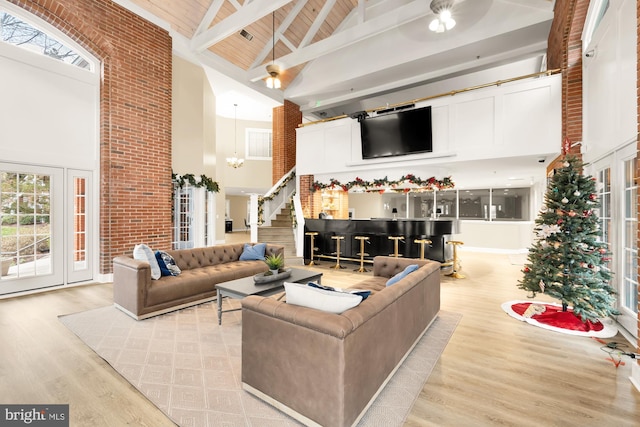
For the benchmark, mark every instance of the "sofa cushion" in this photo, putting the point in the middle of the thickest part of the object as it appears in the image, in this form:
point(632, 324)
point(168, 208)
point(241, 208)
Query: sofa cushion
point(143, 252)
point(253, 252)
point(408, 269)
point(320, 299)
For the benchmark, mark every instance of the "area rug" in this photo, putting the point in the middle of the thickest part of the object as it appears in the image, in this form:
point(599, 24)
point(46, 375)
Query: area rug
point(189, 367)
point(553, 318)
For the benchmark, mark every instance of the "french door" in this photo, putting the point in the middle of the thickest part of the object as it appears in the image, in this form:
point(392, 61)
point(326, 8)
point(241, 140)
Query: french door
point(31, 218)
point(618, 196)
point(46, 228)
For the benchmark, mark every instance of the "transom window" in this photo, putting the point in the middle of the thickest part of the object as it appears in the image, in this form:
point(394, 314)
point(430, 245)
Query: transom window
point(17, 32)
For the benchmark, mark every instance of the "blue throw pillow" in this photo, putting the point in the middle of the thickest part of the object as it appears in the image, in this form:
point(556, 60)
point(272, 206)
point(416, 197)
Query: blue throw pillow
point(164, 271)
point(409, 269)
point(253, 252)
point(364, 294)
point(170, 263)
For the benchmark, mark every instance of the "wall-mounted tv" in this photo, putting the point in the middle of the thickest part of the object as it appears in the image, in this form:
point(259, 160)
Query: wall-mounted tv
point(397, 134)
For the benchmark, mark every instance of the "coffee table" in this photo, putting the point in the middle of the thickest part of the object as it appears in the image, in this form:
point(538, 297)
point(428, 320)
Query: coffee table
point(246, 286)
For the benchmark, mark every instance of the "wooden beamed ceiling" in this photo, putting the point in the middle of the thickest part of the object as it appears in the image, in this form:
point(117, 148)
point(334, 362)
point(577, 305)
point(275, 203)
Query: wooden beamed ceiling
point(216, 25)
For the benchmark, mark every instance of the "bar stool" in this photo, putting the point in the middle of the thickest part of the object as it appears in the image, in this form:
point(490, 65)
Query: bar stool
point(395, 245)
point(338, 239)
point(455, 264)
point(422, 242)
point(362, 253)
point(312, 248)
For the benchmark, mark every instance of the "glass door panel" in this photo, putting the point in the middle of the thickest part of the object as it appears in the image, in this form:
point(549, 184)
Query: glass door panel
point(79, 253)
point(629, 292)
point(30, 238)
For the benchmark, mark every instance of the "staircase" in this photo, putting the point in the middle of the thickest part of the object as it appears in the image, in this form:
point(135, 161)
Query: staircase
point(280, 232)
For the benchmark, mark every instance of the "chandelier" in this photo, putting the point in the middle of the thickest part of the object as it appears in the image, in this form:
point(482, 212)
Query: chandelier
point(444, 20)
point(273, 81)
point(235, 162)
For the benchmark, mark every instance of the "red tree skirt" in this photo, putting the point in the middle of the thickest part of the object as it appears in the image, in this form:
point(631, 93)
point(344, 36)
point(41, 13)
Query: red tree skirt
point(553, 318)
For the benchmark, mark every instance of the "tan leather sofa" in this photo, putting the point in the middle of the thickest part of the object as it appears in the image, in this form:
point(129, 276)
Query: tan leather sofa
point(135, 293)
point(325, 369)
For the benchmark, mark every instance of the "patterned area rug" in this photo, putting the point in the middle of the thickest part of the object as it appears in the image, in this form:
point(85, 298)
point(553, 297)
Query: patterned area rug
point(189, 367)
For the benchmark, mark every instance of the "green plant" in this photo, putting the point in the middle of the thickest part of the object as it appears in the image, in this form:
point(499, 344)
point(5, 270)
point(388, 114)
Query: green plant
point(274, 262)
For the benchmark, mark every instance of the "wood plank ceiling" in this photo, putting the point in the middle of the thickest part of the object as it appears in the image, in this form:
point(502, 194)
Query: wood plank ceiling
point(296, 24)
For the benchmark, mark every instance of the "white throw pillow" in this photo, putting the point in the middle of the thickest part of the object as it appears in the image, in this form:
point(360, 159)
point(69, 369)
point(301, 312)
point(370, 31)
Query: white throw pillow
point(143, 252)
point(320, 299)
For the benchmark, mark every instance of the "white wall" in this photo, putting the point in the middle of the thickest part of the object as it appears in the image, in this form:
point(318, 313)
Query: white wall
point(610, 80)
point(516, 119)
point(48, 111)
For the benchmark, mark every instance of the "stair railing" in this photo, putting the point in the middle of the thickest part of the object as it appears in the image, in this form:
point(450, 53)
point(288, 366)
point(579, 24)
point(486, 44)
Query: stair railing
point(262, 209)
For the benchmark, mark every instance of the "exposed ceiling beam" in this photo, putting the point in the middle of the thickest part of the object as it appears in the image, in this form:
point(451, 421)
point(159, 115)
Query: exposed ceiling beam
point(242, 18)
point(281, 29)
point(211, 13)
point(348, 36)
point(317, 23)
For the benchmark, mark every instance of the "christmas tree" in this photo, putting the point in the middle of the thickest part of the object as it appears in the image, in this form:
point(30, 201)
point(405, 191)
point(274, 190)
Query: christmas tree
point(567, 260)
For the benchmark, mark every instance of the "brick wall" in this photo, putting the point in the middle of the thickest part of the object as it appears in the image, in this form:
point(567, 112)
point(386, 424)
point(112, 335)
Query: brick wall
point(565, 52)
point(306, 196)
point(285, 121)
point(135, 119)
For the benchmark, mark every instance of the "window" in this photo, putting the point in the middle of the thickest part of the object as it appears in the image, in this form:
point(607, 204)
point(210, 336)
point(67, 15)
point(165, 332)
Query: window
point(17, 32)
point(474, 204)
point(259, 144)
point(510, 203)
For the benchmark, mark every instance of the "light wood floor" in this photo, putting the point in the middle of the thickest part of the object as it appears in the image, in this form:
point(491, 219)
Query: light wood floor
point(495, 371)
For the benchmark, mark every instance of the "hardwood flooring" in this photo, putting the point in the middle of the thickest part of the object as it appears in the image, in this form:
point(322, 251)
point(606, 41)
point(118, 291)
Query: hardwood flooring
point(495, 371)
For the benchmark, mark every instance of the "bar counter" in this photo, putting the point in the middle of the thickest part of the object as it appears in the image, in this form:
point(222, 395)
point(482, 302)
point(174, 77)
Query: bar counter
point(379, 230)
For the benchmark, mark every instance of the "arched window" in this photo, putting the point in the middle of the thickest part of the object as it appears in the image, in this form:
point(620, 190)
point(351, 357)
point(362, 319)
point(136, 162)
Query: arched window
point(18, 32)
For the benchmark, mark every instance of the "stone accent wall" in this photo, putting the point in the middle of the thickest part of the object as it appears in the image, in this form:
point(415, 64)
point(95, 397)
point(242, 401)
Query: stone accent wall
point(135, 119)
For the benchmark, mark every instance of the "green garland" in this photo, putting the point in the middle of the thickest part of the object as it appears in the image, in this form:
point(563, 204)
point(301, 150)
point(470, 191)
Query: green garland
point(418, 184)
point(181, 180)
point(262, 199)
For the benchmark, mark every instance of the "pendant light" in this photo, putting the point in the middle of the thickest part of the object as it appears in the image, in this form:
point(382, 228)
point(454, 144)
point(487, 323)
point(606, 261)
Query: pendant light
point(273, 81)
point(234, 161)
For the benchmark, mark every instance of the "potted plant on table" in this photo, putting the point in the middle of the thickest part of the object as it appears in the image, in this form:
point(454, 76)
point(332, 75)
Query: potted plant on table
point(274, 262)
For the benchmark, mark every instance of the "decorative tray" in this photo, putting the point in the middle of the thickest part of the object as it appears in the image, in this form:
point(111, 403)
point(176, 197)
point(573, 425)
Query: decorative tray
point(262, 278)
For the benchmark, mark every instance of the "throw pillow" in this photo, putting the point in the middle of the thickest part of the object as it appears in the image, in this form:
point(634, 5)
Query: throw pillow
point(364, 294)
point(320, 299)
point(143, 252)
point(253, 252)
point(409, 269)
point(170, 263)
point(164, 271)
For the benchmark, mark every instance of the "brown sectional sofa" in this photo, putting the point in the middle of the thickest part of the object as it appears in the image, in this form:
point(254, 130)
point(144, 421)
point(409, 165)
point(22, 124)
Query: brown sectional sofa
point(135, 293)
point(325, 369)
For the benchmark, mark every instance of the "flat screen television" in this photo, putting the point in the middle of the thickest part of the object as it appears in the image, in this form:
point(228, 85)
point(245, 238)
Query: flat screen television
point(397, 134)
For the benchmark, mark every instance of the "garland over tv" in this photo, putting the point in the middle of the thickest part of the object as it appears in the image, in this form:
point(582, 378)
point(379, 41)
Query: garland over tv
point(399, 133)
